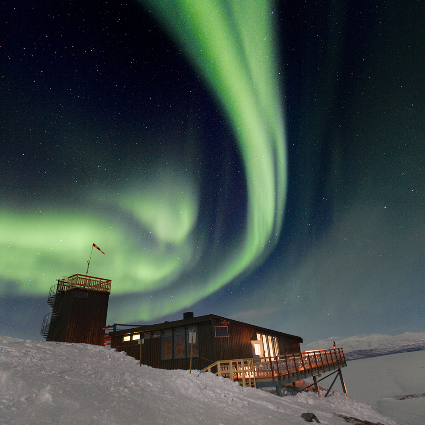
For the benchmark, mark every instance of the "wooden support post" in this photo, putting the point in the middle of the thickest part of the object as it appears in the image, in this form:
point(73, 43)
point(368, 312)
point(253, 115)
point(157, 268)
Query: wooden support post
point(333, 382)
point(316, 386)
point(191, 350)
point(344, 388)
point(278, 388)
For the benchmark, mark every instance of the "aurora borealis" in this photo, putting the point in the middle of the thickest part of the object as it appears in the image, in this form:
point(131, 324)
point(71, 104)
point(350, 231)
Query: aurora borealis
point(262, 162)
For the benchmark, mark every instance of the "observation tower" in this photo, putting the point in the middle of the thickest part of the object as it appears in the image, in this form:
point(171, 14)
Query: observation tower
point(79, 308)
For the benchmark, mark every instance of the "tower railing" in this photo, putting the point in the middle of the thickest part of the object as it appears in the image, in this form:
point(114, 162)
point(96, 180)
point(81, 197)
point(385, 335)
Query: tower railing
point(85, 282)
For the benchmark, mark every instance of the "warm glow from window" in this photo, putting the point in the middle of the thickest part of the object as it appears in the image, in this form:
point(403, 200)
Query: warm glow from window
point(265, 345)
point(272, 353)
point(136, 336)
point(126, 338)
point(276, 346)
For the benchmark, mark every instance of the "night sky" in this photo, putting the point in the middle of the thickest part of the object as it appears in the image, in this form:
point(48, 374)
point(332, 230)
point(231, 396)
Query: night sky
point(257, 161)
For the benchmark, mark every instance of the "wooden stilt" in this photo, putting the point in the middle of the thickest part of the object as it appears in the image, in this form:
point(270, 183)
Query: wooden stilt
point(316, 387)
point(344, 388)
point(333, 382)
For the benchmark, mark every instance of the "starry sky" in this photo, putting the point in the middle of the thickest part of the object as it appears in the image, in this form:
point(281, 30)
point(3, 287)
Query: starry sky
point(261, 161)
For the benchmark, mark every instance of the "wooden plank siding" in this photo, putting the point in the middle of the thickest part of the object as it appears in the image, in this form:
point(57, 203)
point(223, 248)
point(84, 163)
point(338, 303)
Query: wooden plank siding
point(81, 317)
point(211, 348)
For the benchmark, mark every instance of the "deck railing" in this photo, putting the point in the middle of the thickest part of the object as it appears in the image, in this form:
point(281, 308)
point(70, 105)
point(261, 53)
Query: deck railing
point(85, 282)
point(299, 365)
point(241, 370)
point(286, 368)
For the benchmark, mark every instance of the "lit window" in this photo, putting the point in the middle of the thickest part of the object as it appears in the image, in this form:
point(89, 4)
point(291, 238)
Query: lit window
point(126, 338)
point(276, 346)
point(136, 337)
point(272, 353)
point(265, 346)
point(257, 348)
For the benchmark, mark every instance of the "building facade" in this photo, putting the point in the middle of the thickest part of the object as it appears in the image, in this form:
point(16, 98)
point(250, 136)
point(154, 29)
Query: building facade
point(201, 341)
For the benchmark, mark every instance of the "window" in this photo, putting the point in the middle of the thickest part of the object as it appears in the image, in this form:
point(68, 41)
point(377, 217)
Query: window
point(192, 341)
point(147, 335)
point(267, 346)
point(166, 345)
point(136, 337)
point(126, 338)
point(179, 345)
point(221, 331)
point(156, 334)
point(276, 346)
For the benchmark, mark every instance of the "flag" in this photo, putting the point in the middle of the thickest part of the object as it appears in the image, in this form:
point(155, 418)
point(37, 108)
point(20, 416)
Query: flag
point(98, 248)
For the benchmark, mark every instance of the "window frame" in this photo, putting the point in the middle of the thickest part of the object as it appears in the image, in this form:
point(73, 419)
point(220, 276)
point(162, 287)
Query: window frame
point(179, 337)
point(167, 336)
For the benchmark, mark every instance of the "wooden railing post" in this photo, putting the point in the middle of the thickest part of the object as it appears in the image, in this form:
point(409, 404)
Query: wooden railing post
point(309, 361)
point(287, 368)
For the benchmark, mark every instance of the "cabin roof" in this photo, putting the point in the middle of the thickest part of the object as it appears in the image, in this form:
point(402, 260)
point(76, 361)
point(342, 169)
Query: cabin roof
point(192, 321)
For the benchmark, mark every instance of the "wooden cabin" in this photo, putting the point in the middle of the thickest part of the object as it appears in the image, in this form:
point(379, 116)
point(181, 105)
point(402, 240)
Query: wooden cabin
point(79, 308)
point(209, 338)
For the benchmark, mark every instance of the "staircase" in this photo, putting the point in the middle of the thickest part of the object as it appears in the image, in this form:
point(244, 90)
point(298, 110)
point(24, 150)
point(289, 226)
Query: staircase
point(50, 319)
point(240, 370)
point(45, 325)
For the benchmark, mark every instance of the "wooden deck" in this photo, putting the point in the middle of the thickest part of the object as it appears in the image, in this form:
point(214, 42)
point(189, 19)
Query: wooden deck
point(285, 369)
point(84, 282)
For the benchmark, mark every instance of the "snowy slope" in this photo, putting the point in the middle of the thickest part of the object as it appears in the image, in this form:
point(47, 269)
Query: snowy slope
point(388, 373)
point(393, 384)
point(59, 383)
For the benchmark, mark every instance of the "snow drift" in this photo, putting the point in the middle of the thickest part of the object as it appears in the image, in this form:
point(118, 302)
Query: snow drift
point(60, 383)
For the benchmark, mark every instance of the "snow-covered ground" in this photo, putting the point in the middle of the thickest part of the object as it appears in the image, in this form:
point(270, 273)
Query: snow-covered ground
point(388, 373)
point(59, 383)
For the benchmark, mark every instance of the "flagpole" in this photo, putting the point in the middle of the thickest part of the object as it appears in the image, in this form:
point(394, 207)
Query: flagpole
point(88, 262)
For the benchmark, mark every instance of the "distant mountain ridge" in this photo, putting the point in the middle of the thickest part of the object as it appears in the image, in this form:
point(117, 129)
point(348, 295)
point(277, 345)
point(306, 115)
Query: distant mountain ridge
point(365, 346)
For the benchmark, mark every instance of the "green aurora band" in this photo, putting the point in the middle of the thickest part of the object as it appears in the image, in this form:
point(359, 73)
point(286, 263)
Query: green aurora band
point(231, 44)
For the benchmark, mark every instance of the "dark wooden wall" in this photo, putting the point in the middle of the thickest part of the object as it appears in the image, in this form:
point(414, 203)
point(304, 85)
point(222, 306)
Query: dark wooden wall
point(151, 350)
point(211, 348)
point(80, 319)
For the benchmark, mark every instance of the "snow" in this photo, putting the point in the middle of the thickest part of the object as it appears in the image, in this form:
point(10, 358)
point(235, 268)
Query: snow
point(60, 383)
point(392, 384)
point(388, 372)
point(48, 382)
